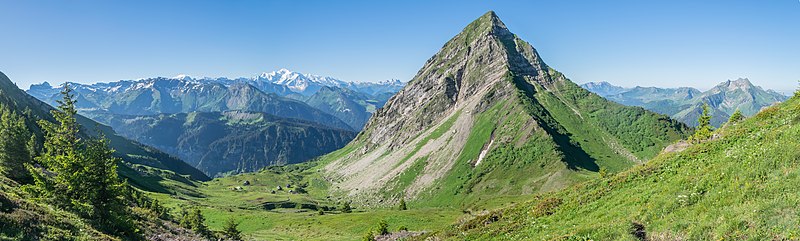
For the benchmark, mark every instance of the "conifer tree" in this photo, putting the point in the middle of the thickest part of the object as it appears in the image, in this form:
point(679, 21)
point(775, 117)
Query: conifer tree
point(403, 204)
point(231, 230)
point(80, 175)
point(13, 145)
point(383, 228)
point(346, 207)
point(736, 117)
point(704, 129)
point(197, 222)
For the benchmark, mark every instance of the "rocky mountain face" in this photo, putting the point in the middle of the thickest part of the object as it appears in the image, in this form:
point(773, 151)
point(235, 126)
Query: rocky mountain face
point(133, 154)
point(685, 104)
point(230, 142)
point(486, 116)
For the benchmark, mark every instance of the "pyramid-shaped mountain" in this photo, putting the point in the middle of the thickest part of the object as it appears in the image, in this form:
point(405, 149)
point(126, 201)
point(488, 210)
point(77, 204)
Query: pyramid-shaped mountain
point(486, 117)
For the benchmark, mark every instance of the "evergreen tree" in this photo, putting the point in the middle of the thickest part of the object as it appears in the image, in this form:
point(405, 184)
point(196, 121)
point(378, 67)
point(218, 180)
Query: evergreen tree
point(195, 220)
point(102, 184)
point(369, 236)
point(14, 152)
point(704, 129)
point(797, 92)
point(79, 175)
point(383, 227)
point(346, 207)
point(403, 204)
point(231, 230)
point(736, 117)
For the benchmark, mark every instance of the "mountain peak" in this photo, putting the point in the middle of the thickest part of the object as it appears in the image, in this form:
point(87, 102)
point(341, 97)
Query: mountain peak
point(488, 23)
point(183, 77)
point(740, 83)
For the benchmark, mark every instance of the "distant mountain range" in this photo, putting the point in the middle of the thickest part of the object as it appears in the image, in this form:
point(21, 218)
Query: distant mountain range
point(223, 125)
point(275, 93)
point(685, 103)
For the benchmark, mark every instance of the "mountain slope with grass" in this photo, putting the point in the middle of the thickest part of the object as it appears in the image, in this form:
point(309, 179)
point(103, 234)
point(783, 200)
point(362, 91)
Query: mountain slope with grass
point(685, 104)
point(487, 118)
point(740, 185)
point(228, 142)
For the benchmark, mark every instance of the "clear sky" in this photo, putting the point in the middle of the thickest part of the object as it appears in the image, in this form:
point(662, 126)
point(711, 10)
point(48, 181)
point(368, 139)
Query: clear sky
point(629, 43)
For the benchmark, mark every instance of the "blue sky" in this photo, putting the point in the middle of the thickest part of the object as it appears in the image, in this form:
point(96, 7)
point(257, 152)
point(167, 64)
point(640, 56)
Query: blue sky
point(647, 43)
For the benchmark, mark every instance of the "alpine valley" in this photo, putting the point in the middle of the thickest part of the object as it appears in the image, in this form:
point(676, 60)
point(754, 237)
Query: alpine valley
point(485, 142)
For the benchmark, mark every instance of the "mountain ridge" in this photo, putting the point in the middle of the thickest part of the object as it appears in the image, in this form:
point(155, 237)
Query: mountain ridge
point(685, 103)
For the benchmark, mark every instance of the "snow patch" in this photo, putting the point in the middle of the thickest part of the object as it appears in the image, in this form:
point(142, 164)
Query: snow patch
point(484, 151)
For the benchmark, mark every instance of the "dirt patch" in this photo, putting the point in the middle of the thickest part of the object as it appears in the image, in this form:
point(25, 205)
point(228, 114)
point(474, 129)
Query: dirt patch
point(401, 235)
point(677, 147)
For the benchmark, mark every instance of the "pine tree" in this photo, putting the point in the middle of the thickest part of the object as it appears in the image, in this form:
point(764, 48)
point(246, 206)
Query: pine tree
point(403, 204)
point(231, 230)
point(736, 117)
point(80, 175)
point(61, 181)
point(797, 92)
point(346, 207)
point(14, 152)
point(704, 129)
point(103, 186)
point(383, 228)
point(198, 223)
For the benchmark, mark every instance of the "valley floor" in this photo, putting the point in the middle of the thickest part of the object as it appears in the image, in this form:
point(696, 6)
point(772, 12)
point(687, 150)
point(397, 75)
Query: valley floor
point(287, 215)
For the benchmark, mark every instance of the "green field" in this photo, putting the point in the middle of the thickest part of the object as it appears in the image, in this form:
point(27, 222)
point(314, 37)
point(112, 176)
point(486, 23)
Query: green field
point(286, 216)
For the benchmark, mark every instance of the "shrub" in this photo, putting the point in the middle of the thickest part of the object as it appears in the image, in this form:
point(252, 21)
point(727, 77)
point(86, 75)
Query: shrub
point(546, 207)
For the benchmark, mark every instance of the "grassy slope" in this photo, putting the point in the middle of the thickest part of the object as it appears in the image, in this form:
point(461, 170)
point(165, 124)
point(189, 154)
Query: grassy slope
point(20, 218)
point(740, 186)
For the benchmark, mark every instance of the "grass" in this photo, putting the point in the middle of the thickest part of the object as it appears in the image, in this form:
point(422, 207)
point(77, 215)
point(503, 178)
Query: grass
point(247, 204)
point(740, 186)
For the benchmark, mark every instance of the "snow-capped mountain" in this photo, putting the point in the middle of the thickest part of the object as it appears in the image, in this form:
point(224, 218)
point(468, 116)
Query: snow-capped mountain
point(309, 84)
point(281, 93)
